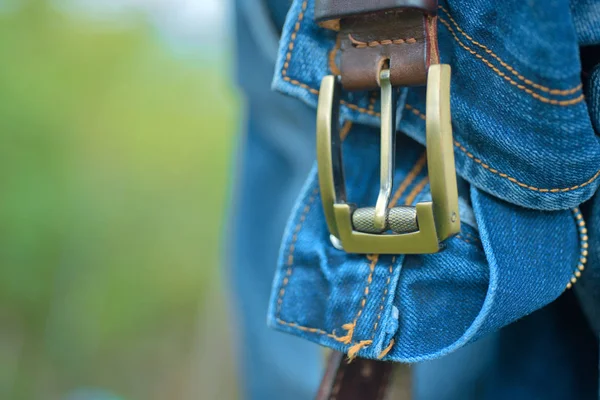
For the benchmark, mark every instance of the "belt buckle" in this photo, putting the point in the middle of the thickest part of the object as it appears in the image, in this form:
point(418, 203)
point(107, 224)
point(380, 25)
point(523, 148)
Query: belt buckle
point(381, 230)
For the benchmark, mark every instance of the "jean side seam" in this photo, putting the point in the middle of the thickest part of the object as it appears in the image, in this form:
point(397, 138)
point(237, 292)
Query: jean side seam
point(462, 148)
point(507, 66)
point(507, 78)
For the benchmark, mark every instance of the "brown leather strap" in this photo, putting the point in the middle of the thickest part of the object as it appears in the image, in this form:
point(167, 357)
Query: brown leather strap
point(359, 380)
point(398, 33)
point(329, 12)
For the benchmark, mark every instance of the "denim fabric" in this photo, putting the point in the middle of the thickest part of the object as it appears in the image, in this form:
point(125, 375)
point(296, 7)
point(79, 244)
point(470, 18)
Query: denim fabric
point(585, 19)
point(594, 97)
point(527, 156)
point(530, 359)
point(271, 169)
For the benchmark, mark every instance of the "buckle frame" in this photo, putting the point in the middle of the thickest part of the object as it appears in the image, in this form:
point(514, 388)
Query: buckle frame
point(436, 220)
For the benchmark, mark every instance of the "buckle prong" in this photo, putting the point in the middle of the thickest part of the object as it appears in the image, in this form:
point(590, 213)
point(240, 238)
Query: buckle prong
point(388, 149)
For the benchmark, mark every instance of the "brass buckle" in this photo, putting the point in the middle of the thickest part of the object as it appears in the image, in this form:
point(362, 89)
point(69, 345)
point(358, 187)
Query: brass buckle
point(399, 230)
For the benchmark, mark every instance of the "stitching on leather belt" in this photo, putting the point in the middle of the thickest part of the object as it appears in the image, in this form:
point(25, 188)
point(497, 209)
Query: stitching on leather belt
point(360, 45)
point(368, 40)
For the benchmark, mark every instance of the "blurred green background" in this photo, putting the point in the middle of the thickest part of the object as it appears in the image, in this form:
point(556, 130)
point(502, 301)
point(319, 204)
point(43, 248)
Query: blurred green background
point(115, 147)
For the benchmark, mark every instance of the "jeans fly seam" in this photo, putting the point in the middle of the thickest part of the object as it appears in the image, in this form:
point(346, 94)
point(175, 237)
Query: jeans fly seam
point(410, 177)
point(353, 351)
point(385, 292)
point(507, 78)
point(509, 67)
point(584, 245)
point(503, 175)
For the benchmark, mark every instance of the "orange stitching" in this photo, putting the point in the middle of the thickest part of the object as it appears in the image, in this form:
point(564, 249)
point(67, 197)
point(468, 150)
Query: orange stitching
point(463, 239)
point(336, 71)
point(385, 292)
point(345, 130)
point(472, 241)
point(417, 168)
point(521, 184)
point(473, 237)
point(361, 45)
point(374, 260)
point(332, 55)
point(354, 349)
point(307, 329)
point(508, 79)
point(292, 248)
point(302, 85)
point(311, 330)
point(302, 328)
point(294, 35)
point(503, 175)
point(350, 326)
point(357, 108)
point(288, 56)
point(386, 350)
point(416, 190)
point(415, 111)
point(508, 67)
point(372, 100)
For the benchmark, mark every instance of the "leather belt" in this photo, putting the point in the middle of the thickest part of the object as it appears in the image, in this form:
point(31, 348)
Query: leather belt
point(364, 380)
point(402, 33)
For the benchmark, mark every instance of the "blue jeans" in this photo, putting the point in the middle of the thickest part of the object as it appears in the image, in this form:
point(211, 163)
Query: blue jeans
point(527, 157)
point(271, 169)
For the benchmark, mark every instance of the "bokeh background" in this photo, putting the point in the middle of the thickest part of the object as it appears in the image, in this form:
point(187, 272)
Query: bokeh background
point(117, 125)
